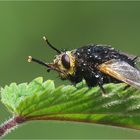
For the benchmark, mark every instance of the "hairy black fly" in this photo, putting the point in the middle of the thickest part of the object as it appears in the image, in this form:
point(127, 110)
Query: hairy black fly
point(97, 64)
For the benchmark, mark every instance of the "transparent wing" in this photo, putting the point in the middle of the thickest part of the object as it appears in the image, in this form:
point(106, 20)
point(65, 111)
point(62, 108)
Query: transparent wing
point(122, 71)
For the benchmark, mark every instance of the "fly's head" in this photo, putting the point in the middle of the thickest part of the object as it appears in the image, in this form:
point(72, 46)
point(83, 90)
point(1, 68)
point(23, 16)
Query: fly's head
point(65, 64)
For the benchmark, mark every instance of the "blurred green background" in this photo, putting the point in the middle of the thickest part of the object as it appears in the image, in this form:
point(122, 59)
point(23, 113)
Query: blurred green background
point(67, 25)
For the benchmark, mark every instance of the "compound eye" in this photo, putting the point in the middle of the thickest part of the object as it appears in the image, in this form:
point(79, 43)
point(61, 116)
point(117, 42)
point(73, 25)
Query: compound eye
point(65, 61)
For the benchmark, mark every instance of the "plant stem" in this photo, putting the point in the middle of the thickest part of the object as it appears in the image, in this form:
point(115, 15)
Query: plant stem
point(10, 124)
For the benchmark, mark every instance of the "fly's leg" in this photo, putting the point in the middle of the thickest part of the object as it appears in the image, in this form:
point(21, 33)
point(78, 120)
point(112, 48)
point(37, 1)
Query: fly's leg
point(100, 83)
point(102, 89)
point(96, 79)
point(126, 87)
point(134, 59)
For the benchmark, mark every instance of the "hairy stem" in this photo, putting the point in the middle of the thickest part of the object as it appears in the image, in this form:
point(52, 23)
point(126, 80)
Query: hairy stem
point(10, 124)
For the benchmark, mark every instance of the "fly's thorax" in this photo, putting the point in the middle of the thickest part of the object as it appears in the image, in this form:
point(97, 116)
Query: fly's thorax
point(65, 62)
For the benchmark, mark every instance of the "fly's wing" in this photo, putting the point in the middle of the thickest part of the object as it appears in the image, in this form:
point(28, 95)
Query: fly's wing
point(122, 71)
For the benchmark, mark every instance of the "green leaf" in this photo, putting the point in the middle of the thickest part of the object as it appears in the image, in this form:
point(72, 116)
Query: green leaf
point(40, 100)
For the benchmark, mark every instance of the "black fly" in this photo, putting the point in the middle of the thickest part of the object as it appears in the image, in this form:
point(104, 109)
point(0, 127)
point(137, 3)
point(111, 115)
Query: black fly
point(96, 64)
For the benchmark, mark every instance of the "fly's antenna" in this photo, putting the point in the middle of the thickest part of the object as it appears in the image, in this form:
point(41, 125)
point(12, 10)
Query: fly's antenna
point(49, 66)
point(51, 46)
point(30, 59)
